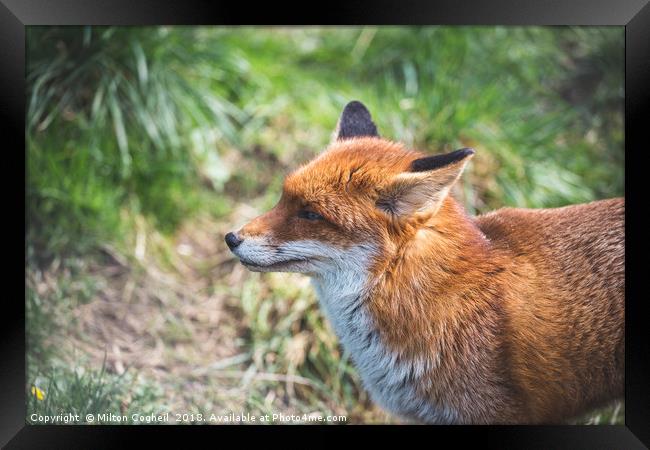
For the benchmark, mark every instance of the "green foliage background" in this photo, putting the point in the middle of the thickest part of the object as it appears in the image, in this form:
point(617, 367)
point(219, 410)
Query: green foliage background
point(157, 129)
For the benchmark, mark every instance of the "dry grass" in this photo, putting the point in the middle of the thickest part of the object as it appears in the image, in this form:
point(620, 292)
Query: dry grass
point(182, 313)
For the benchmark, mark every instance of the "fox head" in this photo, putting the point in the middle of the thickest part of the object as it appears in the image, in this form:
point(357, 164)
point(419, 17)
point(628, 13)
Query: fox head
point(357, 203)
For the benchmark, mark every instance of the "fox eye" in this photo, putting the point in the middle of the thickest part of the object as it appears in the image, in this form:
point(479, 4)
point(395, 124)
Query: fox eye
point(309, 215)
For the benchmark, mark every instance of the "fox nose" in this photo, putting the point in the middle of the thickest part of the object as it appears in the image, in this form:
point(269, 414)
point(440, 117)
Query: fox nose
point(232, 240)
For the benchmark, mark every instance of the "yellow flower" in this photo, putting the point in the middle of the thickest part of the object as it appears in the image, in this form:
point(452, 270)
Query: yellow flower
point(38, 393)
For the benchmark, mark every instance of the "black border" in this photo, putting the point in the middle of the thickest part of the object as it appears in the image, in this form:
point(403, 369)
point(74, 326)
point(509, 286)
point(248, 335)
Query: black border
point(633, 14)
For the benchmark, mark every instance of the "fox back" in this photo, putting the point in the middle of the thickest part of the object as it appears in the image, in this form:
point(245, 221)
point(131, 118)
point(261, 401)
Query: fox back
point(516, 316)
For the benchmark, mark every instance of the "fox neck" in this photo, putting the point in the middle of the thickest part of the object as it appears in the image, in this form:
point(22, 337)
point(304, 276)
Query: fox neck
point(423, 286)
point(407, 282)
point(342, 290)
point(373, 299)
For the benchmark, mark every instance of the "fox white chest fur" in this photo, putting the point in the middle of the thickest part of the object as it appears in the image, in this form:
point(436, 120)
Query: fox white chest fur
point(392, 381)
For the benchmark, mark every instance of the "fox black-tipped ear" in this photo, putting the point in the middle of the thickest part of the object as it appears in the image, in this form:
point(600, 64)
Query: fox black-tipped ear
point(425, 185)
point(438, 161)
point(355, 121)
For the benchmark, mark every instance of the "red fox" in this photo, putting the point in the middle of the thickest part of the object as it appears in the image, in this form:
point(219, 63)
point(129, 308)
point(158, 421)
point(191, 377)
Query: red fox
point(515, 316)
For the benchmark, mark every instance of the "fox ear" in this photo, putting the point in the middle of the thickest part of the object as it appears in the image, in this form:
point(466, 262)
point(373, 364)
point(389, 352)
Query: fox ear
point(425, 186)
point(355, 121)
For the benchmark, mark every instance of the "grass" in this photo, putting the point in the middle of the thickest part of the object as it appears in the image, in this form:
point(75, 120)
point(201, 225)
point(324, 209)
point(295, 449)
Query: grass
point(96, 393)
point(145, 145)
